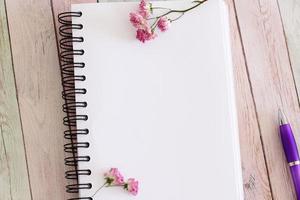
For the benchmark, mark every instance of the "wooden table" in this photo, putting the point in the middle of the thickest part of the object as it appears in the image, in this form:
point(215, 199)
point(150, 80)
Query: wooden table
point(266, 55)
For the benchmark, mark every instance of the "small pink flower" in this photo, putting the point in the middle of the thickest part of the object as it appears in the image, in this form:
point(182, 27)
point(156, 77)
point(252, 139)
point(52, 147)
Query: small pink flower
point(114, 177)
point(145, 34)
point(163, 24)
point(132, 186)
point(145, 8)
point(137, 20)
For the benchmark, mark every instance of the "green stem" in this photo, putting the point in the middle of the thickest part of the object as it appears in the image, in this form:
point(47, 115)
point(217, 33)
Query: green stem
point(121, 185)
point(154, 24)
point(172, 20)
point(99, 189)
point(161, 8)
point(181, 11)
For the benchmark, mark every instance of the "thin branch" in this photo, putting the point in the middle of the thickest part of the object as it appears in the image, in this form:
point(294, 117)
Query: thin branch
point(183, 11)
point(99, 189)
point(154, 24)
point(177, 11)
point(172, 20)
point(161, 8)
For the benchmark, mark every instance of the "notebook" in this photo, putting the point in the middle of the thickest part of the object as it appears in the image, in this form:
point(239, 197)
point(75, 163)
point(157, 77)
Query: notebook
point(162, 112)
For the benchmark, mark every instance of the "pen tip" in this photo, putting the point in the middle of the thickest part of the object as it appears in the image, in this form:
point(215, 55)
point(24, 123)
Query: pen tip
point(281, 117)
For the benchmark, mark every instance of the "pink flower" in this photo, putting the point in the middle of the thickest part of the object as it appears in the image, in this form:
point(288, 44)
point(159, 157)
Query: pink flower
point(114, 177)
point(145, 8)
point(137, 20)
point(145, 34)
point(132, 186)
point(163, 24)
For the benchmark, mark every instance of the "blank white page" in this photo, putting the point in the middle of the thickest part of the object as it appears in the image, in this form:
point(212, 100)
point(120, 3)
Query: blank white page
point(162, 112)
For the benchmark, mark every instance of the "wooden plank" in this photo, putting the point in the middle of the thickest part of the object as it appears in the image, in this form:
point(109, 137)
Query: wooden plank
point(255, 176)
point(38, 82)
point(290, 14)
point(13, 168)
point(271, 82)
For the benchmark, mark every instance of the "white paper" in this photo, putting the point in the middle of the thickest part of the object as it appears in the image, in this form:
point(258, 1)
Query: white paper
point(162, 112)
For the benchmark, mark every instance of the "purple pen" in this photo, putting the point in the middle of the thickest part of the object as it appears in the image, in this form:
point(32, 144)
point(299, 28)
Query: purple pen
point(290, 150)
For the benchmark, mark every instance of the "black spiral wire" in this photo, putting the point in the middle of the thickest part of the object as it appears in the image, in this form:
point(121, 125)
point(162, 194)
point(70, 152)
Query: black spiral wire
point(69, 92)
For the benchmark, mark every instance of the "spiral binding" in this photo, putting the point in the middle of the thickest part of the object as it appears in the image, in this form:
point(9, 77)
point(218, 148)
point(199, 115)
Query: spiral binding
point(69, 92)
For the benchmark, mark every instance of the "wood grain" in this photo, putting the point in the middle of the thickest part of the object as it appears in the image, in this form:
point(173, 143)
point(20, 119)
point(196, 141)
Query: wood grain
point(290, 15)
point(14, 182)
point(39, 90)
point(271, 82)
point(266, 66)
point(255, 175)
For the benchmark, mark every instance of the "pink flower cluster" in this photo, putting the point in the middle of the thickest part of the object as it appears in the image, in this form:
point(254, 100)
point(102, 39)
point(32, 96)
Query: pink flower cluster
point(163, 24)
point(114, 178)
point(132, 186)
point(141, 18)
point(146, 24)
point(145, 8)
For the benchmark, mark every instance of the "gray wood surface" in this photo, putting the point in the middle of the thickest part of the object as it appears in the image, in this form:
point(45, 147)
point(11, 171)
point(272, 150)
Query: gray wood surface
point(38, 85)
point(14, 181)
point(266, 55)
point(290, 14)
point(272, 84)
